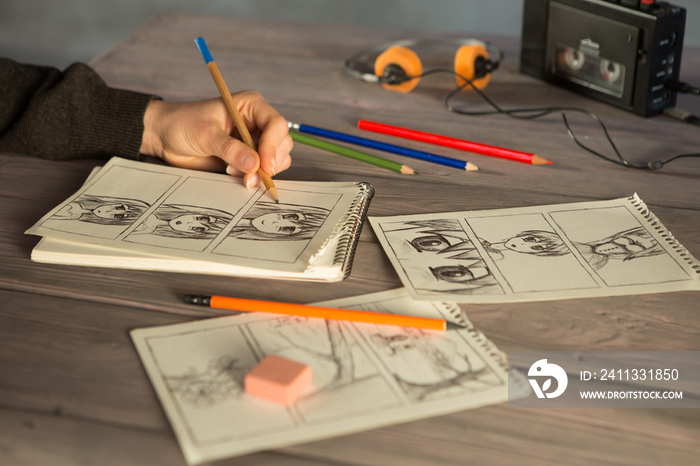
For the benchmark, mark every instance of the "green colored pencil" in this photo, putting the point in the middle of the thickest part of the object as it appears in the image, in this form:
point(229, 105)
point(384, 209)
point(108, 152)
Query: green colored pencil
point(352, 153)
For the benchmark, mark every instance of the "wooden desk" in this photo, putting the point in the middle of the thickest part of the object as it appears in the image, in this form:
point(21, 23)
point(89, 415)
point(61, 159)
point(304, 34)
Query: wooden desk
point(73, 391)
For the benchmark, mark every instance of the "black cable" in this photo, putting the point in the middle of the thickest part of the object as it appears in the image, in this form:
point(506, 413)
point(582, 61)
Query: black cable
point(532, 113)
point(682, 87)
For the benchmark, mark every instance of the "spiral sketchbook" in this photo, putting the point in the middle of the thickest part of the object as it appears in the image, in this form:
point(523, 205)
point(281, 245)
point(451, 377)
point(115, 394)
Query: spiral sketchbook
point(145, 216)
point(364, 375)
point(578, 250)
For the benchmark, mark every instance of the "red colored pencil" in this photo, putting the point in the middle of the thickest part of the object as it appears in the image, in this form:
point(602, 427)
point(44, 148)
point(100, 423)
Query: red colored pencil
point(484, 149)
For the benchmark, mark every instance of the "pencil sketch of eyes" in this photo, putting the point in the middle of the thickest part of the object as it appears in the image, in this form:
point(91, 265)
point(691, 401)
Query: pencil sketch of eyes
point(285, 222)
point(221, 380)
point(460, 273)
point(625, 245)
point(432, 243)
point(103, 210)
point(452, 247)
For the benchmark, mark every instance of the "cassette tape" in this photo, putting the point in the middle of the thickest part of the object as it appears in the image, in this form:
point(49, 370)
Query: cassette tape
point(585, 67)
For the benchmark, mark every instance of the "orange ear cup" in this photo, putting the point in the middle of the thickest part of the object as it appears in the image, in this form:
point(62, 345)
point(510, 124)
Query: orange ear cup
point(407, 59)
point(465, 58)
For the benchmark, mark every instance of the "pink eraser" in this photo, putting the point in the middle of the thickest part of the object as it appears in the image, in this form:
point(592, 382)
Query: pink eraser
point(278, 379)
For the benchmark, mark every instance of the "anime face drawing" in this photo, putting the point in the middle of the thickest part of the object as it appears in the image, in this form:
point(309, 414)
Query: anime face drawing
point(536, 242)
point(184, 221)
point(625, 245)
point(103, 210)
point(280, 222)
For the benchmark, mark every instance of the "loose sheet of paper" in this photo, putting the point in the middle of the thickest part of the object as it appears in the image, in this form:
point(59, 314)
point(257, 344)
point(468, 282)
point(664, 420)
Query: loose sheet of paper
point(163, 211)
point(587, 249)
point(364, 375)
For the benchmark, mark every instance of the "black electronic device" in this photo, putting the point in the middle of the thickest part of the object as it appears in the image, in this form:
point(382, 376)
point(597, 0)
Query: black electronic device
point(620, 52)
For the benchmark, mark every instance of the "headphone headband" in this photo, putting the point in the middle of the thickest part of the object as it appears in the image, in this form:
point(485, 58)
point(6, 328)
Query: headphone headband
point(367, 74)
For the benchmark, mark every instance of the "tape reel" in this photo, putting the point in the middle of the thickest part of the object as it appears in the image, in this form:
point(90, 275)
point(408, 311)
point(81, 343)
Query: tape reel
point(398, 67)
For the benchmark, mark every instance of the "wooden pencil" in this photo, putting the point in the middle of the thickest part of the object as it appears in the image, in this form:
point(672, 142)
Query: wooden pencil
point(253, 305)
point(233, 111)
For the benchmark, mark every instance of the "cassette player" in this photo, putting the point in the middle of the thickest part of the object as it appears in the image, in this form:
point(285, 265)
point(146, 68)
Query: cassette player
point(619, 52)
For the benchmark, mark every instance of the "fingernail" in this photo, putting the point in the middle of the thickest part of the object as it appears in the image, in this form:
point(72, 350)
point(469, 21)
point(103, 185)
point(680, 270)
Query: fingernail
point(229, 169)
point(248, 163)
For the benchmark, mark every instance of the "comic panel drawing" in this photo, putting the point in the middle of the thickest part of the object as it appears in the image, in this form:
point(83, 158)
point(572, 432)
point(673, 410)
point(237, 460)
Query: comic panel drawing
point(428, 366)
point(293, 223)
point(179, 225)
point(529, 253)
point(364, 375)
point(206, 384)
point(107, 207)
point(620, 249)
point(437, 256)
point(343, 375)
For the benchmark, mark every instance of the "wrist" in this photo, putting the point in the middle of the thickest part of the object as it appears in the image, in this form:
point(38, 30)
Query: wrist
point(151, 143)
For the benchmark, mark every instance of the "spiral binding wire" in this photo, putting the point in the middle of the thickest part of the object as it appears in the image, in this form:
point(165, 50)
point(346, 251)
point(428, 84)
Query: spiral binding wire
point(356, 218)
point(348, 229)
point(665, 234)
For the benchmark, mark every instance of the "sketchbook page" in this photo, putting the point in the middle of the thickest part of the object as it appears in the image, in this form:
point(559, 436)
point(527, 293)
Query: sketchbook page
point(600, 248)
point(364, 376)
point(55, 251)
point(161, 210)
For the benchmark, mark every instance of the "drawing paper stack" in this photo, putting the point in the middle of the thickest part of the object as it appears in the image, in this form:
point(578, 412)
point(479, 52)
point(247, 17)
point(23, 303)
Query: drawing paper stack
point(146, 216)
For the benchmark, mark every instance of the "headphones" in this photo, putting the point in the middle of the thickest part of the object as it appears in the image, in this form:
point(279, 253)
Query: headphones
point(397, 67)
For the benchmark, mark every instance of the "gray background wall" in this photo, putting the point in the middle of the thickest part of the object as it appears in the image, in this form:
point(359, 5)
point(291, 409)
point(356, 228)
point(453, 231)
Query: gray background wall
point(59, 32)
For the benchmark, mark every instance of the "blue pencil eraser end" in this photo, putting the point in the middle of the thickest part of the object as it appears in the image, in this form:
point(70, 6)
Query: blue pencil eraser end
point(203, 49)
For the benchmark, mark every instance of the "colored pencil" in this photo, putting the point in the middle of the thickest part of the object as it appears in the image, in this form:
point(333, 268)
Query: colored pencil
point(233, 111)
point(352, 153)
point(462, 144)
point(391, 148)
point(253, 305)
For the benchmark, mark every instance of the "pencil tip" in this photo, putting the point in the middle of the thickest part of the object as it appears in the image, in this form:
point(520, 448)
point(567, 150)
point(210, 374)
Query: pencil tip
point(471, 167)
point(537, 160)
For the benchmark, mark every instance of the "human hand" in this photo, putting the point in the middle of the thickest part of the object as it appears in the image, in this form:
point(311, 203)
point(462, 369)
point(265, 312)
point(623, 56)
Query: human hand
point(201, 135)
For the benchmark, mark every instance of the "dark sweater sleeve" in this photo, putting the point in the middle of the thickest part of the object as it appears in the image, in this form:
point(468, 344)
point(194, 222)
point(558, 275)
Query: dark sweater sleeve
point(67, 115)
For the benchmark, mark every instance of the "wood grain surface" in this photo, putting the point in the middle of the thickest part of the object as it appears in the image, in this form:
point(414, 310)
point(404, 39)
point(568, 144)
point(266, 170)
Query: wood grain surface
point(72, 388)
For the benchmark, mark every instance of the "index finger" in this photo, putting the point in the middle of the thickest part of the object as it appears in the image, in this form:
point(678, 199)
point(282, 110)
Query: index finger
point(272, 126)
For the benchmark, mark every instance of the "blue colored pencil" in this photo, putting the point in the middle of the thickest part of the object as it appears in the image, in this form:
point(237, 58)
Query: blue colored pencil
point(416, 154)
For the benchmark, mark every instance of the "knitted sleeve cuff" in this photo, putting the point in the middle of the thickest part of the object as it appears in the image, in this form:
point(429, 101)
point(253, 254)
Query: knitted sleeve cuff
point(74, 114)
